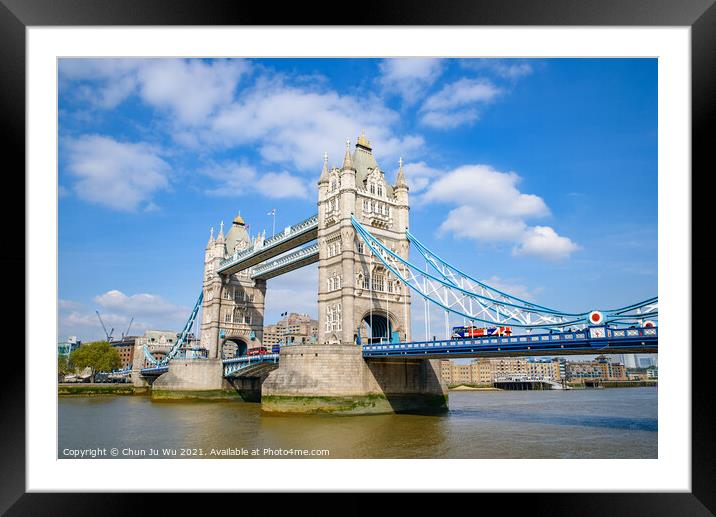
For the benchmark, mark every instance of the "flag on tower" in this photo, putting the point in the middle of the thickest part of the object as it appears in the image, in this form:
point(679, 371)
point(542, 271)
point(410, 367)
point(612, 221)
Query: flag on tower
point(272, 212)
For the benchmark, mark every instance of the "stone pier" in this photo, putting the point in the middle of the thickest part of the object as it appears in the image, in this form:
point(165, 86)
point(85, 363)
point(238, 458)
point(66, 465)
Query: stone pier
point(336, 379)
point(193, 379)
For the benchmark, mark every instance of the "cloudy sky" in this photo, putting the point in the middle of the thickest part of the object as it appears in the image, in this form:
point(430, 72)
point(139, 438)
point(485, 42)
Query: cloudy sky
point(537, 176)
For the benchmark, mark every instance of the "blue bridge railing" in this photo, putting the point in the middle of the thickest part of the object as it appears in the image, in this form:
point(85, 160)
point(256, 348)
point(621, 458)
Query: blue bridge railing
point(237, 364)
point(590, 340)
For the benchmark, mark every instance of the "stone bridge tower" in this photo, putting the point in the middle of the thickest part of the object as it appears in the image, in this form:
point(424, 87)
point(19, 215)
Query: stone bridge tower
point(233, 306)
point(358, 299)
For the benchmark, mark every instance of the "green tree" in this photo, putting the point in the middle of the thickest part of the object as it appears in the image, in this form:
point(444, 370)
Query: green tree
point(99, 356)
point(63, 365)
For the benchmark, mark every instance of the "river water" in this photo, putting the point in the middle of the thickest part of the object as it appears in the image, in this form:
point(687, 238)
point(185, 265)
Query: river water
point(597, 423)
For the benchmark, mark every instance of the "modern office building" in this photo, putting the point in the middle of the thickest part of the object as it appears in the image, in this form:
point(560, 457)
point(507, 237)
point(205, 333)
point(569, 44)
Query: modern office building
point(65, 348)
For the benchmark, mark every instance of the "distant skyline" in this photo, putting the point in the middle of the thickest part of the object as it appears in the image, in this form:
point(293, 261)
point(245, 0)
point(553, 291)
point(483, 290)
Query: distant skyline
point(553, 162)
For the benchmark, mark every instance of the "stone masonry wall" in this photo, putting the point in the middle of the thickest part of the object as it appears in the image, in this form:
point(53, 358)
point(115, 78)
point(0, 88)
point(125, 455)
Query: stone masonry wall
point(340, 370)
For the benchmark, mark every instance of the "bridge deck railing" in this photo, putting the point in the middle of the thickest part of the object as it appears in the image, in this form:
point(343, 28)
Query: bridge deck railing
point(236, 364)
point(523, 340)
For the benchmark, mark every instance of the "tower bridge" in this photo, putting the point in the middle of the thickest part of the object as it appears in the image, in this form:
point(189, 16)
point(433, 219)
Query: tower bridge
point(366, 359)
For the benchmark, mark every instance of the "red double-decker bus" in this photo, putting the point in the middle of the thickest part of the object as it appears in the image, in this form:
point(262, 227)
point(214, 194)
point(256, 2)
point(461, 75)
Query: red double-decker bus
point(258, 351)
point(467, 332)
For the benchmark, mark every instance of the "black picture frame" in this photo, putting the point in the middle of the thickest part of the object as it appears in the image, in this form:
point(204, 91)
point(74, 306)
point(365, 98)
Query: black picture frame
point(17, 15)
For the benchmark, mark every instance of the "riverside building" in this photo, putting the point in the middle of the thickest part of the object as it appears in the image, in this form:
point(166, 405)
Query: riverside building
point(299, 329)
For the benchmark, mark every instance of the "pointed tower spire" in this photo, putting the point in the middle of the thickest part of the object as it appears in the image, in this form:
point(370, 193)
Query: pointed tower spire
point(211, 235)
point(400, 179)
point(363, 141)
point(221, 232)
point(324, 172)
point(347, 161)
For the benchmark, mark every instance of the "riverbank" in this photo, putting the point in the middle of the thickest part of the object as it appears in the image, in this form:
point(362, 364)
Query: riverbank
point(570, 385)
point(613, 384)
point(98, 389)
point(471, 387)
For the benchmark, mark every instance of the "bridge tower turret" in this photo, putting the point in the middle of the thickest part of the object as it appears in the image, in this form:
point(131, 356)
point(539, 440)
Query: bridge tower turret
point(357, 297)
point(233, 306)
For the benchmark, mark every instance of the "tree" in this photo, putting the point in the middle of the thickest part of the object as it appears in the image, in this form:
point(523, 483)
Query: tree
point(63, 365)
point(99, 356)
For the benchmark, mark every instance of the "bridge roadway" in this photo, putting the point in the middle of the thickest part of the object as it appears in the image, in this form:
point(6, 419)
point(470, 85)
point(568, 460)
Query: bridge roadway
point(292, 237)
point(588, 341)
point(585, 342)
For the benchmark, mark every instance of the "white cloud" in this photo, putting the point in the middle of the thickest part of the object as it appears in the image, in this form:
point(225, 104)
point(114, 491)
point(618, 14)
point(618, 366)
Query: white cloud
point(457, 103)
point(144, 304)
point(505, 68)
point(236, 179)
point(489, 207)
point(418, 175)
point(190, 89)
point(491, 191)
point(280, 185)
point(295, 126)
point(203, 108)
point(543, 242)
point(409, 77)
point(114, 79)
point(117, 310)
point(120, 175)
point(467, 221)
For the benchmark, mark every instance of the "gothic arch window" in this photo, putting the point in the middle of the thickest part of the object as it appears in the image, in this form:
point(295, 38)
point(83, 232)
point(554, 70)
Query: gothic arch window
point(380, 189)
point(333, 317)
point(238, 315)
point(379, 280)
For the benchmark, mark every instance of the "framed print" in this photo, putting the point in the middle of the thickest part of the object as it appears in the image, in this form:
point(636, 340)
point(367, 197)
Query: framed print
point(339, 256)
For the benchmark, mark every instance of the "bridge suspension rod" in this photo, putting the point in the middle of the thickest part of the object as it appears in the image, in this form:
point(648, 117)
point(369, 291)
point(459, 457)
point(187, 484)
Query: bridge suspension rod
point(459, 293)
point(181, 340)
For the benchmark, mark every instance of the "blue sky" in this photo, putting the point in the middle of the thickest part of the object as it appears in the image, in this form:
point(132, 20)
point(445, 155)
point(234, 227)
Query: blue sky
point(536, 176)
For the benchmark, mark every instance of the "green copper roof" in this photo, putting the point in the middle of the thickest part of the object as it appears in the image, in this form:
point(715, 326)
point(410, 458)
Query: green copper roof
point(364, 162)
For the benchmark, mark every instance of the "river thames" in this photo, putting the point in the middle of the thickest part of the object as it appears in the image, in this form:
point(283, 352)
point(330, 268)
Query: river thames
point(595, 423)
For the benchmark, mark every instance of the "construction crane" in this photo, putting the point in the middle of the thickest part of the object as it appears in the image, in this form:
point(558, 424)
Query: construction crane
point(108, 334)
point(128, 327)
